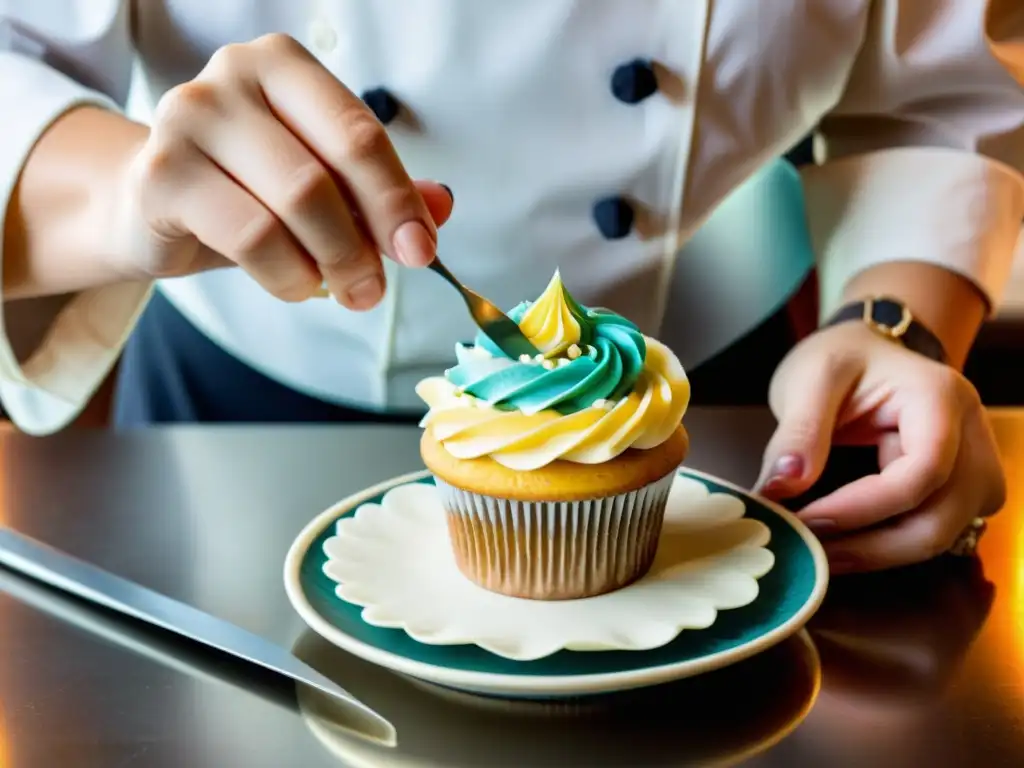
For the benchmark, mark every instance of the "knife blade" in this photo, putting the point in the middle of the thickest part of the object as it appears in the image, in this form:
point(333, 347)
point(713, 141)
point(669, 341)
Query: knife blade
point(69, 574)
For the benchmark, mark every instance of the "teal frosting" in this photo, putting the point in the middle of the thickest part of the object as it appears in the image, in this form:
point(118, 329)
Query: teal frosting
point(613, 356)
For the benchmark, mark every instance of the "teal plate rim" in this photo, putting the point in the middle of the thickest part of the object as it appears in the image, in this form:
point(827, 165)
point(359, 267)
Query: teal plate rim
point(790, 594)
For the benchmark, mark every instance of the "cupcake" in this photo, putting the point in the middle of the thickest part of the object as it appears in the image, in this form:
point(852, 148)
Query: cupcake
point(554, 470)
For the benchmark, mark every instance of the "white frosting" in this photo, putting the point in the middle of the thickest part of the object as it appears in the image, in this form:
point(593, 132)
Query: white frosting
point(469, 428)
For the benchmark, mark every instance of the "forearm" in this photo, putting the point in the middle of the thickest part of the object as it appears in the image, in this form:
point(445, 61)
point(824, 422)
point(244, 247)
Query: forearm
point(945, 302)
point(56, 234)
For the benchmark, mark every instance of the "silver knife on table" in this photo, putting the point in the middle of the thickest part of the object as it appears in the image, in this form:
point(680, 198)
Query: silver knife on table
point(50, 566)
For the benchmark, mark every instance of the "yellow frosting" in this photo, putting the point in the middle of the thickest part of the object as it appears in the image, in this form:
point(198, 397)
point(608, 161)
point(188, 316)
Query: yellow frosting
point(549, 323)
point(470, 428)
point(527, 413)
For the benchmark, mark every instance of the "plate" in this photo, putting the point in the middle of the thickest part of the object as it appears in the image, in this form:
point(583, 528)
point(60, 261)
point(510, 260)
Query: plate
point(789, 595)
point(394, 560)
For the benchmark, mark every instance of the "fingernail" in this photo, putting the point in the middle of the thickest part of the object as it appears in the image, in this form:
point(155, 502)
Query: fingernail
point(413, 245)
point(821, 525)
point(365, 293)
point(785, 468)
point(449, 191)
point(788, 467)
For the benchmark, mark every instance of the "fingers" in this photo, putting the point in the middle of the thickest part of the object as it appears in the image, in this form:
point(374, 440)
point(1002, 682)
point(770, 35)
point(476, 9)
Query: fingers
point(238, 225)
point(339, 128)
point(439, 198)
point(916, 537)
point(299, 190)
point(916, 461)
point(975, 487)
point(440, 202)
point(283, 129)
point(799, 448)
point(990, 481)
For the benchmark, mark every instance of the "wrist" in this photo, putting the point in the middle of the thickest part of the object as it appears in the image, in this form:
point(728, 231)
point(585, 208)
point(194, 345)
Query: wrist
point(120, 211)
point(60, 223)
point(891, 319)
point(947, 304)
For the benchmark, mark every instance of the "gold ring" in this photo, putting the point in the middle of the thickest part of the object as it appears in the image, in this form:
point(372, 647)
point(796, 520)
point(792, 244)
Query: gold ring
point(966, 544)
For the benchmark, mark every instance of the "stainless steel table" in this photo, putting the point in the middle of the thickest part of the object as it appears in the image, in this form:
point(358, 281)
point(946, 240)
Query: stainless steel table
point(920, 668)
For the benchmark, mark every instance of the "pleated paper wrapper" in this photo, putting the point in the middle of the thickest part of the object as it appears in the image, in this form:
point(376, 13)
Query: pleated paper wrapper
point(555, 550)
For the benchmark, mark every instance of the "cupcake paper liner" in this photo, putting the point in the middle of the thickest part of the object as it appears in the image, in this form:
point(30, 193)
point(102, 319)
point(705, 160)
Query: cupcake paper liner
point(555, 550)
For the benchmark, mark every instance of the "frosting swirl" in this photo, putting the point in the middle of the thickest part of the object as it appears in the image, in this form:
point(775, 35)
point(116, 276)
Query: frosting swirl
point(598, 388)
point(587, 355)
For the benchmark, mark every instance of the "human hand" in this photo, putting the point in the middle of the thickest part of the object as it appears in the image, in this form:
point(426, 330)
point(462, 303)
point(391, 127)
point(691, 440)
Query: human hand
point(846, 385)
point(266, 161)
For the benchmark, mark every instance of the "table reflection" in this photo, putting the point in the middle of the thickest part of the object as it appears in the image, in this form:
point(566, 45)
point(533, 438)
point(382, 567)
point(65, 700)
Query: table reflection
point(718, 719)
point(904, 679)
point(892, 646)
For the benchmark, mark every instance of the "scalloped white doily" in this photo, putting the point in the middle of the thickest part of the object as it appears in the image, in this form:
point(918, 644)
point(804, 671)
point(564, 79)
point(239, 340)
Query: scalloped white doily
point(393, 559)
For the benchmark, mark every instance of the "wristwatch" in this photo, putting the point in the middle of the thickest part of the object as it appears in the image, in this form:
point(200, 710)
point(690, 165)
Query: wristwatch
point(892, 319)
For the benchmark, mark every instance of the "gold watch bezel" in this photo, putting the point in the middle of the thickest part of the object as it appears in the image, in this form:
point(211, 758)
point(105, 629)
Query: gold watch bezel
point(894, 332)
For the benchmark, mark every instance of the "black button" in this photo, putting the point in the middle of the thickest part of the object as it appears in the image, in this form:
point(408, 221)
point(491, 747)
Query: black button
point(384, 105)
point(614, 217)
point(634, 82)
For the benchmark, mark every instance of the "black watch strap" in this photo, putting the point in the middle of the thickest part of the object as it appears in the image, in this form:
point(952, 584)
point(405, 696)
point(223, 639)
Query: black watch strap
point(892, 319)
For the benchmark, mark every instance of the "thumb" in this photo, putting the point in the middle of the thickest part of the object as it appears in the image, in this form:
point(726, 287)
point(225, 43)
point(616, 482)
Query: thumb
point(439, 199)
point(807, 409)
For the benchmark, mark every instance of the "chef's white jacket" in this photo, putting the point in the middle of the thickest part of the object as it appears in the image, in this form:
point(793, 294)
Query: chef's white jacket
point(918, 104)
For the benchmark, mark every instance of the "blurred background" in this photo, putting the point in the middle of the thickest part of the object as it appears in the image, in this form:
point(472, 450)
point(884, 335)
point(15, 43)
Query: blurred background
point(995, 367)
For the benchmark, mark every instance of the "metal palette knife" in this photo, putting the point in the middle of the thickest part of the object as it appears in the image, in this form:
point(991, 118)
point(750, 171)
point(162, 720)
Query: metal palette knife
point(57, 569)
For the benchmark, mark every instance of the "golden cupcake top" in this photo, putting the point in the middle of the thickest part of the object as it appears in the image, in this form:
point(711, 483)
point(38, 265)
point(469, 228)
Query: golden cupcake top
point(598, 388)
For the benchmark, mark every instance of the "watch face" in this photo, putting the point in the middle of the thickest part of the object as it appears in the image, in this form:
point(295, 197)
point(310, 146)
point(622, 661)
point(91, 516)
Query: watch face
point(888, 317)
point(887, 313)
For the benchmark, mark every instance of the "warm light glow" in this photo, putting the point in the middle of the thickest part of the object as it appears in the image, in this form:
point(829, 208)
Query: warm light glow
point(1003, 546)
point(1016, 595)
point(1002, 552)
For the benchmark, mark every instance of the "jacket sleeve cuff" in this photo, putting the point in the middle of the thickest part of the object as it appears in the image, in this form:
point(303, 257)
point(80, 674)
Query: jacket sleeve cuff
point(51, 388)
point(46, 391)
point(955, 209)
